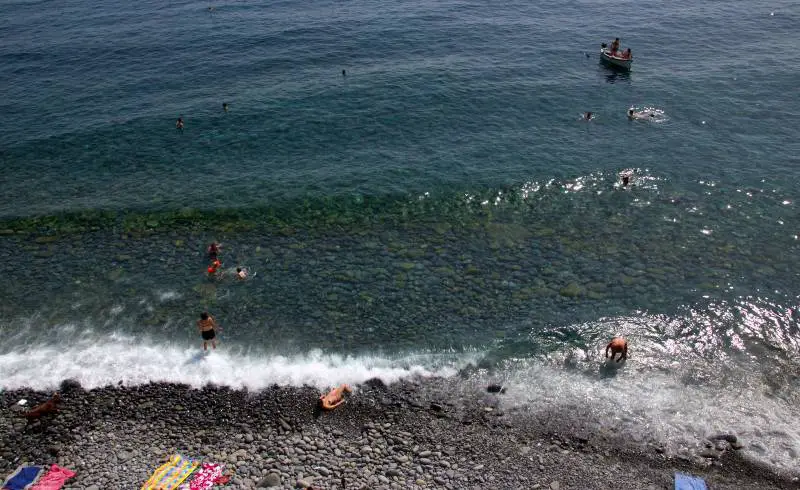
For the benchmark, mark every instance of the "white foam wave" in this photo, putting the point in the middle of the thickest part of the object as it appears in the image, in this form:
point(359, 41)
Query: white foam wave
point(645, 405)
point(119, 358)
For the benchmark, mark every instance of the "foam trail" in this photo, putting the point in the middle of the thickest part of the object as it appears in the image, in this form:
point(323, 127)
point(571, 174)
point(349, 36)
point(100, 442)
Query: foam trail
point(100, 363)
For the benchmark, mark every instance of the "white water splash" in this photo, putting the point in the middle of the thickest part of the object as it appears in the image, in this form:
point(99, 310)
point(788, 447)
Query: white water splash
point(676, 408)
point(116, 358)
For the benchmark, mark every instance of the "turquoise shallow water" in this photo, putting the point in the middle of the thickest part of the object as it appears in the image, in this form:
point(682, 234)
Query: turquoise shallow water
point(440, 205)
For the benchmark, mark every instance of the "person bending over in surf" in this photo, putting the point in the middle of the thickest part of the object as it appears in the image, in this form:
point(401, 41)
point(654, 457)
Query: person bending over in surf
point(618, 345)
point(207, 326)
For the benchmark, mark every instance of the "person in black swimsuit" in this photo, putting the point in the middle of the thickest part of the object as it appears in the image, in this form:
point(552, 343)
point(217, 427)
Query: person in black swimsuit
point(207, 326)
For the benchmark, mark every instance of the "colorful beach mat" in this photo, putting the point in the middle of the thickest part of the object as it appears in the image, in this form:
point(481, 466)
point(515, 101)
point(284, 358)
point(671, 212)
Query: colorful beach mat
point(54, 479)
point(205, 478)
point(22, 478)
point(171, 474)
point(689, 482)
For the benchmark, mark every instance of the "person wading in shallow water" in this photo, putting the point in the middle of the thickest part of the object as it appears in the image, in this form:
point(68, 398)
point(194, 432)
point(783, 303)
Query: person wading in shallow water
point(618, 345)
point(207, 327)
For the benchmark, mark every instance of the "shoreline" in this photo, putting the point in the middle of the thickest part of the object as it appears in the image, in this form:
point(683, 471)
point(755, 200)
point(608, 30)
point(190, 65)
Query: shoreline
point(411, 434)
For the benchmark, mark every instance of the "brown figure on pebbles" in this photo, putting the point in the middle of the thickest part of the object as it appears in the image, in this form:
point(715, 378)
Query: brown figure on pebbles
point(48, 407)
point(334, 398)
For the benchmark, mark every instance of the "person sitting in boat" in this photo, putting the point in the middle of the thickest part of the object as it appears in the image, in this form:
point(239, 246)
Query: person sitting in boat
point(615, 46)
point(627, 54)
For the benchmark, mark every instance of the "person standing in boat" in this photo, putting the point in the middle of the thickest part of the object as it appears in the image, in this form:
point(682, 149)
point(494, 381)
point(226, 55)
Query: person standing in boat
point(615, 46)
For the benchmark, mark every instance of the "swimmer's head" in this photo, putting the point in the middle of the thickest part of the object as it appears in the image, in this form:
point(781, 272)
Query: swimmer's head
point(238, 269)
point(204, 315)
point(630, 111)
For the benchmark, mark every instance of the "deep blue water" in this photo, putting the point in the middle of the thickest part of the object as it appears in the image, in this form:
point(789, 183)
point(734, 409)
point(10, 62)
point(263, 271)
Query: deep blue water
point(442, 203)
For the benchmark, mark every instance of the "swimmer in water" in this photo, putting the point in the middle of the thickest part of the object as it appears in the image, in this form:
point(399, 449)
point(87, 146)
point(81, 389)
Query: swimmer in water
point(213, 250)
point(626, 179)
point(212, 269)
point(587, 116)
point(179, 123)
point(640, 115)
point(225, 106)
point(241, 273)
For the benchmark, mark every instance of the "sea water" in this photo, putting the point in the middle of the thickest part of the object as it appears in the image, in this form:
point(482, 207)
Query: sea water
point(415, 190)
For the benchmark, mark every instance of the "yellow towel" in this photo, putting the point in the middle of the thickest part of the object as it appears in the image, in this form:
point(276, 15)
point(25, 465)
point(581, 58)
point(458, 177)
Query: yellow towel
point(171, 474)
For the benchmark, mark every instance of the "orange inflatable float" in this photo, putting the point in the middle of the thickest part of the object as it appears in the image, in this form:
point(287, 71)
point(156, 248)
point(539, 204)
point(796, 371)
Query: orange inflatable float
point(334, 398)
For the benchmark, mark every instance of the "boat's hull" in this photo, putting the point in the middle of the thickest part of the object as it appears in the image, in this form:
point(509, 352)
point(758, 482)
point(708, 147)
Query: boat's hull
point(624, 64)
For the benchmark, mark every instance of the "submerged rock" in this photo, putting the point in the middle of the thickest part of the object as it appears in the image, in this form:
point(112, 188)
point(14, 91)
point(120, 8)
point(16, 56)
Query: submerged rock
point(729, 438)
point(572, 290)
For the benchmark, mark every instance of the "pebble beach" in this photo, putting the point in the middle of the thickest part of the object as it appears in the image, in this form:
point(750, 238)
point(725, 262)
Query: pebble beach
point(411, 434)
